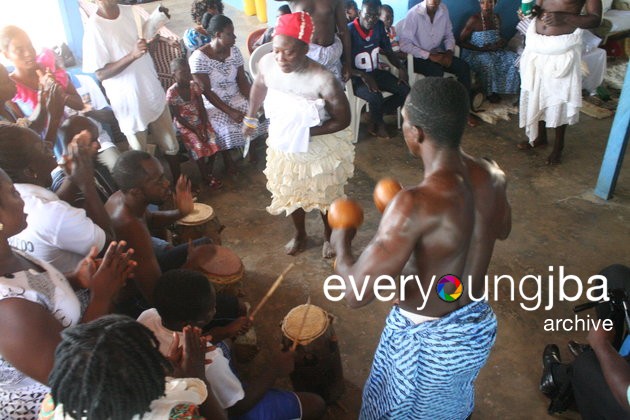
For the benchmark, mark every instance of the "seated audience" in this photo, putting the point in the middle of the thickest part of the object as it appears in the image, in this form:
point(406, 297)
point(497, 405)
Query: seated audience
point(84, 381)
point(184, 297)
point(186, 104)
point(368, 39)
point(141, 180)
point(32, 70)
point(197, 36)
point(387, 17)
point(46, 115)
point(352, 10)
point(268, 35)
point(218, 68)
point(37, 302)
point(103, 181)
point(215, 7)
point(484, 51)
point(427, 34)
point(57, 233)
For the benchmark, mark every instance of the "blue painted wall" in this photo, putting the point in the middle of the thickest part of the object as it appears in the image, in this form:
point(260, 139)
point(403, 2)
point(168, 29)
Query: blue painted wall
point(459, 11)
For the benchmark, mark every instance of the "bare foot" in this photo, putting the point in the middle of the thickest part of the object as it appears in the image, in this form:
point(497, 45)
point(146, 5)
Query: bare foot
point(382, 133)
point(327, 251)
point(525, 145)
point(554, 158)
point(295, 245)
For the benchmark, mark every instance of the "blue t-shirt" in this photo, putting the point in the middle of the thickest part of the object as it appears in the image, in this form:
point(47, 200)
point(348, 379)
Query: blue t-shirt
point(366, 46)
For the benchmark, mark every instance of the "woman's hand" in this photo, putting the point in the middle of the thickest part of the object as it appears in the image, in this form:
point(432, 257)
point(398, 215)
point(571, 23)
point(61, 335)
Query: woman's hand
point(189, 360)
point(236, 115)
point(113, 271)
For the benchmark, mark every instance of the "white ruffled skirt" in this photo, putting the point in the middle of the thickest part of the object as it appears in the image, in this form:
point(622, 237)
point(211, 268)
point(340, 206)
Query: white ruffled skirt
point(311, 180)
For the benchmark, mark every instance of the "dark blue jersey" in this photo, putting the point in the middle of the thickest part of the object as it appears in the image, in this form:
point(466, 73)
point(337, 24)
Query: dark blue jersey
point(366, 46)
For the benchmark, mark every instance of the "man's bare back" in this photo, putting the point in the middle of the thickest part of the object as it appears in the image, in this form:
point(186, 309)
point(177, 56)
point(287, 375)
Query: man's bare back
point(560, 17)
point(447, 225)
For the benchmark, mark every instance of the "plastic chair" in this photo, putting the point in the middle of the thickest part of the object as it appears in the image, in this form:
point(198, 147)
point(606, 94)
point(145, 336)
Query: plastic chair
point(258, 53)
point(356, 104)
point(253, 37)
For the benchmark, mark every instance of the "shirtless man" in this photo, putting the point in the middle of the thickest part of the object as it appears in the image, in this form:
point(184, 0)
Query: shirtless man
point(447, 224)
point(141, 180)
point(551, 77)
point(329, 19)
point(310, 155)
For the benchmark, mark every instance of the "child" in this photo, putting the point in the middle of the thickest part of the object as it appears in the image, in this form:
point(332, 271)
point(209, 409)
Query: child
point(186, 106)
point(185, 297)
point(387, 17)
point(352, 10)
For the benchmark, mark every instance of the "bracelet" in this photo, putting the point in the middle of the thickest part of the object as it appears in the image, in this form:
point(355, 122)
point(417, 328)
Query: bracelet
point(253, 126)
point(251, 120)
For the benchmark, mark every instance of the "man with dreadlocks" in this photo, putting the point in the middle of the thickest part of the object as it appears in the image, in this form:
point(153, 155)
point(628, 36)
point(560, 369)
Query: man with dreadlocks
point(433, 346)
point(112, 368)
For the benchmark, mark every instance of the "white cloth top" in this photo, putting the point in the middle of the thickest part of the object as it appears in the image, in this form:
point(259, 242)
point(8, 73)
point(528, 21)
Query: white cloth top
point(226, 386)
point(177, 391)
point(57, 232)
point(136, 95)
point(290, 131)
point(49, 289)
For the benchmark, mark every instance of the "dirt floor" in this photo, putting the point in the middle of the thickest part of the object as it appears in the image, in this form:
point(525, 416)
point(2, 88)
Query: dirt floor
point(557, 221)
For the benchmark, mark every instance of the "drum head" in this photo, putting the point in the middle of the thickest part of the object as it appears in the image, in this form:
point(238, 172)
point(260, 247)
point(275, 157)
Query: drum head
point(201, 214)
point(315, 325)
point(223, 265)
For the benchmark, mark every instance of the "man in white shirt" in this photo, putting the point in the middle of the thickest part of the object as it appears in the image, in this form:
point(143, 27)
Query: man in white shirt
point(114, 52)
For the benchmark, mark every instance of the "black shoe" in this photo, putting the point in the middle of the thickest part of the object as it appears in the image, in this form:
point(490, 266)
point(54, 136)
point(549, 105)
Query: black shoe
point(577, 348)
point(551, 357)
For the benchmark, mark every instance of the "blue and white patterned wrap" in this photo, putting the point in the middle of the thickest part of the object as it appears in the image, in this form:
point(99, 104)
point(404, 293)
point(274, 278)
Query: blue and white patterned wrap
point(427, 371)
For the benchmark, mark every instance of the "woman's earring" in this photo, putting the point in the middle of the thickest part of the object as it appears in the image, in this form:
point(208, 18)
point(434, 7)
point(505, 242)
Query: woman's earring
point(1, 226)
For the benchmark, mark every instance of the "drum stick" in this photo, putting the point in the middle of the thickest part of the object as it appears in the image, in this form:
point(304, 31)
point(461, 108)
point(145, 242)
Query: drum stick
point(296, 340)
point(272, 289)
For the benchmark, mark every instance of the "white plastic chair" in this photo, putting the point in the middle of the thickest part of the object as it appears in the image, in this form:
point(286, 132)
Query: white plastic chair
point(356, 104)
point(258, 53)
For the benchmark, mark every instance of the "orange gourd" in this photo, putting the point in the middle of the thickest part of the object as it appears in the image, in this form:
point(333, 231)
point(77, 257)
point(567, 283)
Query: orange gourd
point(345, 213)
point(385, 191)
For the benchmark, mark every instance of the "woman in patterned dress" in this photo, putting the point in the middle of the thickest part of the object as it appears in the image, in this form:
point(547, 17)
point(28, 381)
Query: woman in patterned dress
point(218, 68)
point(483, 50)
point(185, 101)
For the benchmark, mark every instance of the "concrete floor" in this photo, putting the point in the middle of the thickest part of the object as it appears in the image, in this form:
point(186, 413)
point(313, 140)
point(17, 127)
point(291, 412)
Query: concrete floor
point(556, 221)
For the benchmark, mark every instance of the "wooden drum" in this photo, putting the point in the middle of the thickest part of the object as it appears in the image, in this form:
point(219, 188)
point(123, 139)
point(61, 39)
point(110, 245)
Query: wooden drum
point(317, 359)
point(201, 222)
point(223, 268)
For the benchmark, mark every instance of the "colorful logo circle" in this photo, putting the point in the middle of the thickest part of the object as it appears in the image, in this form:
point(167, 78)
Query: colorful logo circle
point(449, 279)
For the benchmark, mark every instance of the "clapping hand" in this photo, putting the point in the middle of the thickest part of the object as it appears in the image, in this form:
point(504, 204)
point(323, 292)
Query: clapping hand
point(111, 272)
point(189, 360)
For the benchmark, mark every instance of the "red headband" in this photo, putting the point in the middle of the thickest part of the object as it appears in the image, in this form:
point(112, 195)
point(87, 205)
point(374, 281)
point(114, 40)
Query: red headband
point(298, 25)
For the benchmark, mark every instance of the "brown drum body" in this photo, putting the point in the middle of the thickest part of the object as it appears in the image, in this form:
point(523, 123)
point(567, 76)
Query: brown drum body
point(223, 268)
point(202, 222)
point(317, 363)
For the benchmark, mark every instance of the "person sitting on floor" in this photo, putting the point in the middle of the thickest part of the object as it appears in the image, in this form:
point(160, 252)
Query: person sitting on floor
point(57, 233)
point(46, 115)
point(184, 297)
point(483, 50)
point(185, 100)
point(103, 181)
point(368, 38)
point(141, 180)
point(83, 381)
